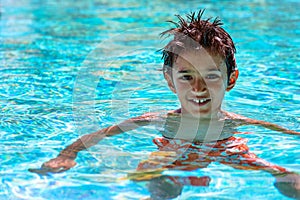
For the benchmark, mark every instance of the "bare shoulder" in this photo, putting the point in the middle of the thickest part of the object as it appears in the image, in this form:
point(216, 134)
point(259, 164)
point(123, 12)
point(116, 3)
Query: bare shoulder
point(174, 112)
point(151, 116)
point(157, 116)
point(235, 119)
point(234, 116)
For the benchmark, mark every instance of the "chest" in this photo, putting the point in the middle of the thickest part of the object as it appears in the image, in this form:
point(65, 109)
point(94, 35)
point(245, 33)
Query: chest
point(196, 130)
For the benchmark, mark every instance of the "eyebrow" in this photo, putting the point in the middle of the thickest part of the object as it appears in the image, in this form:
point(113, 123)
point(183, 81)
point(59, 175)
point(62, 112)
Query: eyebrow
point(214, 69)
point(185, 71)
point(191, 71)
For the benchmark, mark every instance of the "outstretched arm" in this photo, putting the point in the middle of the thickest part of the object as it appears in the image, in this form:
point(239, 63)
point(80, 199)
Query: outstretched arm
point(65, 159)
point(92, 139)
point(248, 121)
point(271, 126)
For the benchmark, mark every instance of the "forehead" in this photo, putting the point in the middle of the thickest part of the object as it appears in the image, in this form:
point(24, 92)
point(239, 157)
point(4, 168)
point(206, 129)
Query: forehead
point(200, 60)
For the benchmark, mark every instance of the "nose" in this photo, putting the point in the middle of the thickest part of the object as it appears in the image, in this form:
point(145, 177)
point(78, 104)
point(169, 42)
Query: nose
point(199, 85)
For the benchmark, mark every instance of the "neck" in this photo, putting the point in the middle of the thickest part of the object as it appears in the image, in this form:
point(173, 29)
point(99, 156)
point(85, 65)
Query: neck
point(219, 114)
point(188, 127)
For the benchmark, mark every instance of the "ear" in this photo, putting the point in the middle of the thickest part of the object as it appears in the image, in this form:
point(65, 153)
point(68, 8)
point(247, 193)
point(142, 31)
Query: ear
point(232, 79)
point(170, 82)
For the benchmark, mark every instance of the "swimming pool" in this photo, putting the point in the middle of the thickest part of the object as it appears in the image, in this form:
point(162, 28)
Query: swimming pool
point(71, 68)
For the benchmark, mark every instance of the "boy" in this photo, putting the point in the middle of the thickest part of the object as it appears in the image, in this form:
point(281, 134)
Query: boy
point(199, 67)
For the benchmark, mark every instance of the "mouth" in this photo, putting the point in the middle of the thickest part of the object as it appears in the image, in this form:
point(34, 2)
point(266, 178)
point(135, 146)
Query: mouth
point(200, 102)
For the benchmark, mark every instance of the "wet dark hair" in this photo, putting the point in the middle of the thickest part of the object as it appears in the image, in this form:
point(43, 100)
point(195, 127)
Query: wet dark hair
point(196, 32)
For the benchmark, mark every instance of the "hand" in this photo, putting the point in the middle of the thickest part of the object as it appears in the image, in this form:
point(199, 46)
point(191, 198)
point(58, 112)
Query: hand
point(289, 185)
point(56, 165)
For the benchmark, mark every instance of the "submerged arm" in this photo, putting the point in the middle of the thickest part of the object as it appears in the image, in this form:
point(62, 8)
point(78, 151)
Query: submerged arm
point(248, 121)
point(65, 159)
point(271, 126)
point(89, 140)
point(92, 139)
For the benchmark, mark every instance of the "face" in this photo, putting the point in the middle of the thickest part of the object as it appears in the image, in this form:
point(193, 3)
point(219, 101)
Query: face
point(199, 80)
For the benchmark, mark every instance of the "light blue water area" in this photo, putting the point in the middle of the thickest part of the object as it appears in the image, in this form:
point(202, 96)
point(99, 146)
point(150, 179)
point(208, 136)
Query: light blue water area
point(72, 67)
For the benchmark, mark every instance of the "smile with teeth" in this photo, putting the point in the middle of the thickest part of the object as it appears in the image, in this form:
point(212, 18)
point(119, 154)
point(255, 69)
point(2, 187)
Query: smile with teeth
point(200, 101)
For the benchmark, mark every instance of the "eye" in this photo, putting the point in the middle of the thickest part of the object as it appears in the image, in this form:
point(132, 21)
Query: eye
point(186, 77)
point(212, 76)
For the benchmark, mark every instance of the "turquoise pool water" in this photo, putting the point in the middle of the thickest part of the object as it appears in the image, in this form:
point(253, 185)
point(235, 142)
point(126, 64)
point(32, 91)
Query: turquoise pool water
point(70, 68)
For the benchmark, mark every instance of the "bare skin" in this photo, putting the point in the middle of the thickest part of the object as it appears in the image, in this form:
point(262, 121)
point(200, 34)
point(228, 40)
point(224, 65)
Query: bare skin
point(65, 160)
point(200, 85)
point(288, 183)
